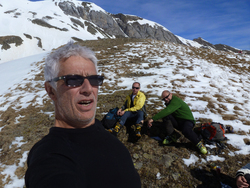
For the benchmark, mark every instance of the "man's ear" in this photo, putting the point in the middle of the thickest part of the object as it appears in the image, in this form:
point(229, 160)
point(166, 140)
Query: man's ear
point(50, 90)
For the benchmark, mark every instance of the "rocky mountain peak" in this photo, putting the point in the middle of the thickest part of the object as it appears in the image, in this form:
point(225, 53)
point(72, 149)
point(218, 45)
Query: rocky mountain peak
point(223, 47)
point(203, 42)
point(71, 19)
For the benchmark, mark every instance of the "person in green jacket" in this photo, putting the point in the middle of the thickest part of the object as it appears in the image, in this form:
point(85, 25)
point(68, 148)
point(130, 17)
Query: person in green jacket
point(134, 106)
point(177, 115)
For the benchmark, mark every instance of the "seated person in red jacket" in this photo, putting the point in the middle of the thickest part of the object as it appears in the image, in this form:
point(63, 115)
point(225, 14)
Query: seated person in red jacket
point(178, 113)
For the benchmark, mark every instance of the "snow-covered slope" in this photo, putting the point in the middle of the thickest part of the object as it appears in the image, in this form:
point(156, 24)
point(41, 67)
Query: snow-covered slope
point(24, 19)
point(44, 25)
point(212, 90)
point(189, 42)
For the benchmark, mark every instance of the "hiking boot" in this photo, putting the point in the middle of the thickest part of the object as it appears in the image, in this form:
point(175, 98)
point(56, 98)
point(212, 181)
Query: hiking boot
point(138, 130)
point(133, 127)
point(202, 148)
point(116, 129)
point(171, 138)
point(167, 140)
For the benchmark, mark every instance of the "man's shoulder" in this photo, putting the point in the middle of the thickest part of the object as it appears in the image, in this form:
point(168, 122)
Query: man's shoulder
point(48, 142)
point(140, 94)
point(175, 101)
point(175, 98)
point(129, 95)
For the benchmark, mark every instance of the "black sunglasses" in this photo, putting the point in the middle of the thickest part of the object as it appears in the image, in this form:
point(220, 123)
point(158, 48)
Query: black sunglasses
point(135, 88)
point(166, 97)
point(77, 80)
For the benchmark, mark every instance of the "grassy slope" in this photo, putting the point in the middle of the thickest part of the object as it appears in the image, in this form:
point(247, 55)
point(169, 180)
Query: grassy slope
point(148, 156)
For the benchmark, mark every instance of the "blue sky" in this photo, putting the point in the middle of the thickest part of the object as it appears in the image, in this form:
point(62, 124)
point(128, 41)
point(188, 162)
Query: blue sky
point(216, 21)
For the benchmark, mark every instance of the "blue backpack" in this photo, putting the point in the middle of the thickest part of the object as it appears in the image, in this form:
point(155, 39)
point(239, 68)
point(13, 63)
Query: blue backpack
point(111, 118)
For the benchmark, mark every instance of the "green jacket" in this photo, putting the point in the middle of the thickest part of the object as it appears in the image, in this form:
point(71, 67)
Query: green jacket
point(178, 108)
point(139, 103)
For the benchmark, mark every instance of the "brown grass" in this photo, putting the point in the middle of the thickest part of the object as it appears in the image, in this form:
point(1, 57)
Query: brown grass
point(148, 156)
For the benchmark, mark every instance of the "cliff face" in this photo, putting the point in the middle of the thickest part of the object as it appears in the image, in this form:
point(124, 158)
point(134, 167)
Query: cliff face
point(203, 42)
point(119, 25)
point(58, 21)
point(133, 29)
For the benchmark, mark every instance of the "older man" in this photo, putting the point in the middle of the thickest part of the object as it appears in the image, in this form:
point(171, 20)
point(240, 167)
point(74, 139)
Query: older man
point(134, 107)
point(181, 118)
point(77, 152)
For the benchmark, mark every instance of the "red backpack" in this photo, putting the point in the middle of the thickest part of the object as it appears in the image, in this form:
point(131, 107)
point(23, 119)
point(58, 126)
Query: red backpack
point(213, 131)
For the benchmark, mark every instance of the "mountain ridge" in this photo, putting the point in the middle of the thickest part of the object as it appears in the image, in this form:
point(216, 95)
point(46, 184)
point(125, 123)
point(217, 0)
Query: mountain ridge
point(223, 47)
point(49, 24)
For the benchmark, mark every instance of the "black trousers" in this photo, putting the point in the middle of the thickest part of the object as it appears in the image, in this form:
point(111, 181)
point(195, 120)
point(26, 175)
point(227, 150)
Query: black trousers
point(183, 125)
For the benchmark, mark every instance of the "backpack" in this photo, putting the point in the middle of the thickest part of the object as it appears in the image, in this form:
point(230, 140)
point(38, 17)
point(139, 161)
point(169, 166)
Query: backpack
point(213, 132)
point(111, 118)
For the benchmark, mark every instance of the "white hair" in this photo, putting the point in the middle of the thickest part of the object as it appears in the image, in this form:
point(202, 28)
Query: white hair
point(53, 60)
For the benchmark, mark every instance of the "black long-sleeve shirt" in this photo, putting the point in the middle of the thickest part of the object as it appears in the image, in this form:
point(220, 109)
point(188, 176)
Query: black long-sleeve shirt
point(80, 158)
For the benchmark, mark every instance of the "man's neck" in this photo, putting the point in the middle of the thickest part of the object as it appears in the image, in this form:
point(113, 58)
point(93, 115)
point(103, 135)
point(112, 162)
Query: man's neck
point(63, 124)
point(135, 94)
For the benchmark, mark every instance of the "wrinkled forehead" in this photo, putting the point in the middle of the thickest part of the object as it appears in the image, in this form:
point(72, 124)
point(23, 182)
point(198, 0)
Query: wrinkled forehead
point(77, 65)
point(75, 58)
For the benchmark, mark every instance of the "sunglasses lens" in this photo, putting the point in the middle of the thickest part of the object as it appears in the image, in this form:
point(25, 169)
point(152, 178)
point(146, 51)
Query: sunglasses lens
point(95, 80)
point(166, 97)
point(74, 80)
point(77, 80)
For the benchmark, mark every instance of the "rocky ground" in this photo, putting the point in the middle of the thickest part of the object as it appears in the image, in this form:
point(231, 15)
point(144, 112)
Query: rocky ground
point(150, 158)
point(158, 165)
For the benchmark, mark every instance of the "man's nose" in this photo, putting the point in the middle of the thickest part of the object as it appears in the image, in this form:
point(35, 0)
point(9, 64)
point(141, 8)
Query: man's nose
point(86, 87)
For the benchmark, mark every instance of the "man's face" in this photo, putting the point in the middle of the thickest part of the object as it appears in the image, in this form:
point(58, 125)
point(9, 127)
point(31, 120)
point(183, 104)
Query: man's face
point(76, 106)
point(166, 97)
point(135, 88)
